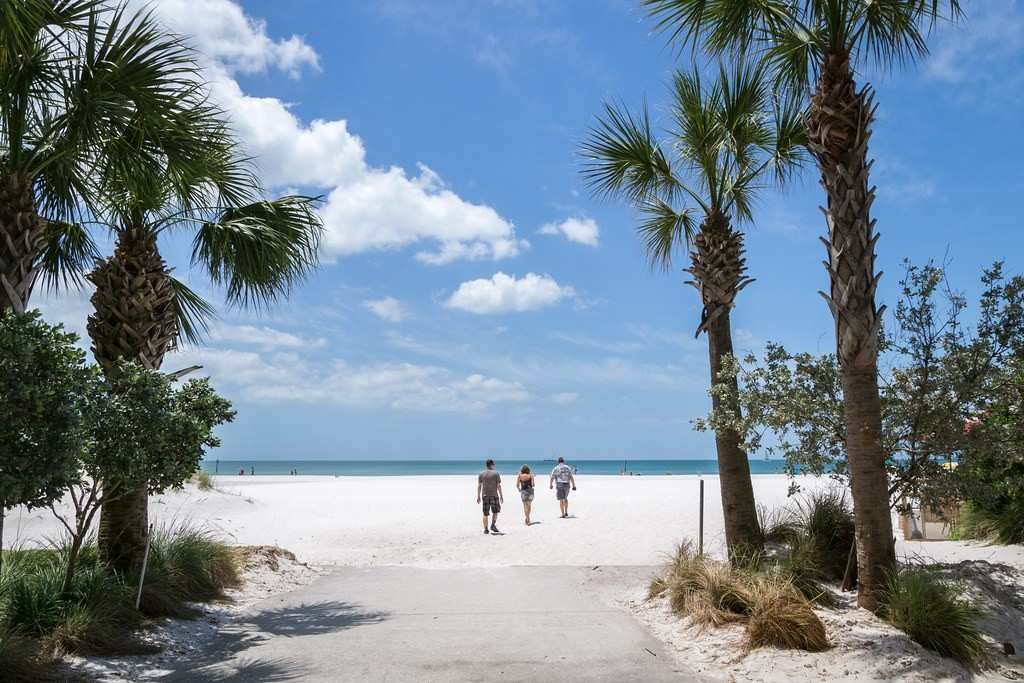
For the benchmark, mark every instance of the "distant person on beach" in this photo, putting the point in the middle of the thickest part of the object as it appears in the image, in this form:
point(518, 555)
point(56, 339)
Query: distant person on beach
point(563, 478)
point(524, 482)
point(488, 490)
point(252, 470)
point(241, 472)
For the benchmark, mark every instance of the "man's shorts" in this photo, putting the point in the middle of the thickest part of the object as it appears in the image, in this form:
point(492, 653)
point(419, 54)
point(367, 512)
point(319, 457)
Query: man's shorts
point(491, 504)
point(562, 490)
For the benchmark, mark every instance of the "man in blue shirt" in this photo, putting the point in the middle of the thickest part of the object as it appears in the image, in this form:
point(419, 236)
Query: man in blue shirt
point(562, 476)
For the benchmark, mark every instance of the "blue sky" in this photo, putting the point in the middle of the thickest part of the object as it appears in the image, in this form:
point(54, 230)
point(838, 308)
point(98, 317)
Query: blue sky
point(474, 300)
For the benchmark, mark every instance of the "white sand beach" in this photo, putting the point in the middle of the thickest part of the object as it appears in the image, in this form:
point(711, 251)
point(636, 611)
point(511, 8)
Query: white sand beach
point(433, 523)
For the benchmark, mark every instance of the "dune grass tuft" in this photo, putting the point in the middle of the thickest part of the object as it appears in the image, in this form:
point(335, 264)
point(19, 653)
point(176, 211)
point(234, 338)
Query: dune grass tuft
point(934, 613)
point(780, 616)
point(825, 521)
point(187, 564)
point(203, 480)
point(1005, 526)
point(20, 658)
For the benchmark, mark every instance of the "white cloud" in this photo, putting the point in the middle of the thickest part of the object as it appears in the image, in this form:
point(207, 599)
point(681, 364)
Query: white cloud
point(262, 337)
point(580, 230)
point(564, 398)
point(505, 294)
point(388, 308)
point(221, 33)
point(287, 377)
point(367, 208)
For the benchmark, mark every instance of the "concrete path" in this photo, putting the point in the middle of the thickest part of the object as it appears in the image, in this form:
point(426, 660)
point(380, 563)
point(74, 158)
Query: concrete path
point(405, 624)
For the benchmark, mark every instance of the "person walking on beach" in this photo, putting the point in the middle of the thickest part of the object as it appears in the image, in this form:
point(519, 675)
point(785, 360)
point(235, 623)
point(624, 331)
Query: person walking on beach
point(488, 489)
point(524, 482)
point(562, 476)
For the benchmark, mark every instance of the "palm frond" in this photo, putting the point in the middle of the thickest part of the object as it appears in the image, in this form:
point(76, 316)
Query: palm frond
point(259, 251)
point(664, 231)
point(68, 252)
point(192, 312)
point(623, 158)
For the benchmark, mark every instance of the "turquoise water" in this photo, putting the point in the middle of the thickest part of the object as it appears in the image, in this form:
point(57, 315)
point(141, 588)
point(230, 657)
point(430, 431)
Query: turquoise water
point(420, 467)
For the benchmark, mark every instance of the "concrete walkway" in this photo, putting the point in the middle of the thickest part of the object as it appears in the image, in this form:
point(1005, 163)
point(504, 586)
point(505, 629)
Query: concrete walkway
point(405, 624)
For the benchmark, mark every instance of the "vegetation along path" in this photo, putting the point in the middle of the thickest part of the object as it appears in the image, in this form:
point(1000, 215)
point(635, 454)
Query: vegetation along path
point(406, 624)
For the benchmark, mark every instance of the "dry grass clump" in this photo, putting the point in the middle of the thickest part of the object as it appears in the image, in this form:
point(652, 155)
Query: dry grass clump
point(781, 617)
point(714, 593)
point(709, 592)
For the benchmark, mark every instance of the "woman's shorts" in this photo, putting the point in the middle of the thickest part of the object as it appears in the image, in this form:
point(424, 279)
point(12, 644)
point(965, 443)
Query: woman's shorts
point(527, 495)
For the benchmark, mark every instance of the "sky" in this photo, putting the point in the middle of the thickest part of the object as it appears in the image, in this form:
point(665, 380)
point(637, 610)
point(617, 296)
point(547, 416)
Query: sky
point(473, 298)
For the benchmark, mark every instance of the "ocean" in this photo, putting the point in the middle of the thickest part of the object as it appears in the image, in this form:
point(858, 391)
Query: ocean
point(427, 467)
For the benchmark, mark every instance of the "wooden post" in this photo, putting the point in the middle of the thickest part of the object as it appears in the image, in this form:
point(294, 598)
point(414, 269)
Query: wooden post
point(700, 528)
point(145, 561)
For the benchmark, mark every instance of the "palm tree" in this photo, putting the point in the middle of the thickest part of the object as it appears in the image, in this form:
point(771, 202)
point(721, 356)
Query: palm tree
point(256, 248)
point(725, 142)
point(81, 85)
point(816, 46)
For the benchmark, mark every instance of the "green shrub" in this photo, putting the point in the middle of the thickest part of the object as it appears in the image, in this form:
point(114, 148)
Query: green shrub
point(94, 616)
point(778, 525)
point(781, 617)
point(801, 567)
point(187, 564)
point(933, 612)
point(826, 522)
point(1005, 525)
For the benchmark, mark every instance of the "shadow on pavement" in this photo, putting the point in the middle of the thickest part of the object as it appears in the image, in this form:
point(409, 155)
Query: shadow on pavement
point(222, 661)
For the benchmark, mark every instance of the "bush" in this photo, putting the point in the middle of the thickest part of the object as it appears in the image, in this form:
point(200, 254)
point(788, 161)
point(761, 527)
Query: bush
point(778, 525)
point(781, 617)
point(708, 591)
point(203, 480)
point(933, 612)
point(801, 567)
point(187, 564)
point(1005, 525)
point(826, 522)
point(20, 657)
point(93, 617)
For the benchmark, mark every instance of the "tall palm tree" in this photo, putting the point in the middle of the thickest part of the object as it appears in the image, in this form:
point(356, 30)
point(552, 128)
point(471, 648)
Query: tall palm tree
point(256, 248)
point(81, 84)
point(816, 47)
point(726, 141)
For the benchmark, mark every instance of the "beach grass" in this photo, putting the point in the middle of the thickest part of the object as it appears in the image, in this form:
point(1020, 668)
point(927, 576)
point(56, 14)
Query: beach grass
point(20, 657)
point(713, 593)
point(934, 613)
point(40, 622)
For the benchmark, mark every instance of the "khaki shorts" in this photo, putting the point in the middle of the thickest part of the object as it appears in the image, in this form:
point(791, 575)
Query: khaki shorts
point(562, 490)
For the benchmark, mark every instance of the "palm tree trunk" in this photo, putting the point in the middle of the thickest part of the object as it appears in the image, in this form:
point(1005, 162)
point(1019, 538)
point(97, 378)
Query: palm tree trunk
point(21, 241)
point(133, 320)
point(718, 270)
point(839, 128)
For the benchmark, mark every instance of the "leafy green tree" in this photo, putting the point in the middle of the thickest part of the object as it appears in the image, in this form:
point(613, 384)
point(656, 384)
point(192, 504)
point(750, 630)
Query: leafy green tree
point(140, 432)
point(84, 87)
point(693, 190)
point(816, 48)
point(41, 371)
point(940, 375)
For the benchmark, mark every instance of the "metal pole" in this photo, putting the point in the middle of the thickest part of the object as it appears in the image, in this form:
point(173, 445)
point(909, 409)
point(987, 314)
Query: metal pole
point(700, 533)
point(145, 561)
